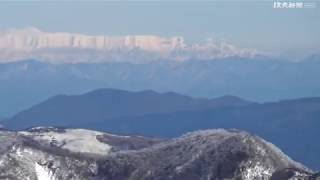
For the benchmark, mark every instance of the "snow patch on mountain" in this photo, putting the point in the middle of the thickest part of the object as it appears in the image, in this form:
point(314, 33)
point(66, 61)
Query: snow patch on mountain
point(75, 140)
point(43, 173)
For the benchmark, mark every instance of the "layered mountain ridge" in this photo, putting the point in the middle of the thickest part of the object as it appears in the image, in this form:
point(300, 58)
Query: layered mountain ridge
point(151, 113)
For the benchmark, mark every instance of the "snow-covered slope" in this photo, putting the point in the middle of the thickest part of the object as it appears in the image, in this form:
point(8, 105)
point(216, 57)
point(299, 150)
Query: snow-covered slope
point(209, 154)
point(75, 140)
point(60, 47)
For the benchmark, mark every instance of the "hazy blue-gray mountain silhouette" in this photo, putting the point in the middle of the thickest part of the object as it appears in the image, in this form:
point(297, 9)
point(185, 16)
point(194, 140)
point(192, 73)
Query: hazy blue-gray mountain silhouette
point(26, 83)
point(104, 104)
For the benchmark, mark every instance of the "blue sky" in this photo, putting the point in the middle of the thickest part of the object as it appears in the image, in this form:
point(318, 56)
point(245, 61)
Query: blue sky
point(244, 23)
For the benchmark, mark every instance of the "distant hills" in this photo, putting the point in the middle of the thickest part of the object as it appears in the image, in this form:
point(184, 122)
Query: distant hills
point(26, 83)
point(293, 125)
point(102, 104)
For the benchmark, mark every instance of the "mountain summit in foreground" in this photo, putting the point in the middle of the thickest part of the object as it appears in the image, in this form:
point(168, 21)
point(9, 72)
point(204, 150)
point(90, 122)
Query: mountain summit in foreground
point(54, 154)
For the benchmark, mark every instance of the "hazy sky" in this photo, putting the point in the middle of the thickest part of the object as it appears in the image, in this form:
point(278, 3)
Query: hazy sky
point(244, 23)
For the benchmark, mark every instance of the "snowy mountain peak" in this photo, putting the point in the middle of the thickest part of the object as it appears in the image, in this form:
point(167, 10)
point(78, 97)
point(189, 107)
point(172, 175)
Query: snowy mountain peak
point(60, 47)
point(33, 38)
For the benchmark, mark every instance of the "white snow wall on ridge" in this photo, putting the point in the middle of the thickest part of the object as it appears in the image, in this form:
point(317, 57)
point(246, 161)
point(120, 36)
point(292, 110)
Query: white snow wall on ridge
point(31, 38)
point(60, 47)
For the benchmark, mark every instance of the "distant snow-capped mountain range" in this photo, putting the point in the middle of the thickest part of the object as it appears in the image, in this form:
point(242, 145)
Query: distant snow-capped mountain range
point(61, 47)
